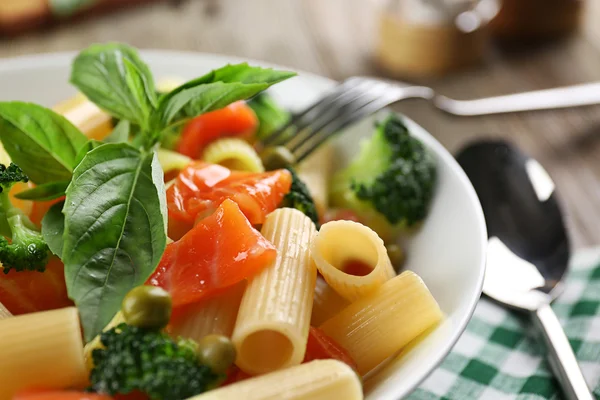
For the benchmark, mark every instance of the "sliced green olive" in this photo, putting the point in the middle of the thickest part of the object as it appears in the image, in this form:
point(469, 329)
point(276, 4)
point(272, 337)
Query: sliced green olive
point(147, 307)
point(277, 157)
point(216, 351)
point(396, 255)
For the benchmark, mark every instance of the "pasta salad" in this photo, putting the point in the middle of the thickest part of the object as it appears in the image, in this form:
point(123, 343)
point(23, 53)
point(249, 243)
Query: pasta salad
point(152, 249)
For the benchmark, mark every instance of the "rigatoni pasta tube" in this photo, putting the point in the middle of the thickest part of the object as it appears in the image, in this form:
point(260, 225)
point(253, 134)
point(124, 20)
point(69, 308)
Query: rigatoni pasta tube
point(41, 350)
point(214, 315)
point(378, 325)
point(4, 313)
point(342, 242)
point(233, 153)
point(316, 380)
point(274, 317)
point(326, 303)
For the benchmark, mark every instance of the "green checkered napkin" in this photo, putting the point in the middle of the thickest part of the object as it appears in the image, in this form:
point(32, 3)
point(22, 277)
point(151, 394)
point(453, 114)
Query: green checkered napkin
point(499, 358)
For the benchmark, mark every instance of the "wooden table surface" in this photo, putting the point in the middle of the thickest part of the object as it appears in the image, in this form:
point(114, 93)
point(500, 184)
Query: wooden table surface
point(334, 38)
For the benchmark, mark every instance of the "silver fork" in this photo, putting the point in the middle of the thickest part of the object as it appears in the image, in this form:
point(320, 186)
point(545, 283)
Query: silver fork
point(359, 97)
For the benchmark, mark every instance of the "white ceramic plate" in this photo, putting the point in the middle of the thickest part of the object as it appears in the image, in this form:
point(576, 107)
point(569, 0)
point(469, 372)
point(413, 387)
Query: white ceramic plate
point(448, 252)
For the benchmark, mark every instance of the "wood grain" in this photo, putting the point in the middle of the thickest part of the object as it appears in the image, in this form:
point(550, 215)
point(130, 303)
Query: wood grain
point(335, 38)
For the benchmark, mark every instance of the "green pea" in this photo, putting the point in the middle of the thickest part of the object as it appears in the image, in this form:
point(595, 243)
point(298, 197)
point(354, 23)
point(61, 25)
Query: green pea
point(147, 307)
point(216, 351)
point(396, 255)
point(277, 157)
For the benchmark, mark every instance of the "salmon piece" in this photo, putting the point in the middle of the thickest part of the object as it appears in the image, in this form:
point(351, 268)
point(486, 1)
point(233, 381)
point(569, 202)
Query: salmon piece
point(200, 188)
point(236, 119)
point(221, 250)
point(31, 291)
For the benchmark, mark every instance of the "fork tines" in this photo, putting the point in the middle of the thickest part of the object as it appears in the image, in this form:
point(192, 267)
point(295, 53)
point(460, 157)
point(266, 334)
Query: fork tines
point(352, 100)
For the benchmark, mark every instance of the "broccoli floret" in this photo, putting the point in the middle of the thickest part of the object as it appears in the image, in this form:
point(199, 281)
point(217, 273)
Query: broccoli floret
point(300, 198)
point(393, 176)
point(270, 115)
point(22, 246)
point(140, 360)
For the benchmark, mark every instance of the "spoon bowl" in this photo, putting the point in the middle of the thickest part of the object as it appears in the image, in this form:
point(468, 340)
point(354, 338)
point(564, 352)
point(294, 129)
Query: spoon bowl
point(528, 246)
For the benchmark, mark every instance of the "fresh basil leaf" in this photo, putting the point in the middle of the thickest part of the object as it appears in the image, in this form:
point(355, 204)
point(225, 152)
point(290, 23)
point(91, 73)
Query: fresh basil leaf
point(216, 90)
point(115, 78)
point(115, 220)
point(120, 133)
point(44, 192)
point(53, 228)
point(41, 142)
point(86, 148)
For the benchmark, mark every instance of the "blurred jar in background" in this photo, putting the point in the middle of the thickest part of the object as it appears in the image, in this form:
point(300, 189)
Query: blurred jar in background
point(536, 19)
point(422, 38)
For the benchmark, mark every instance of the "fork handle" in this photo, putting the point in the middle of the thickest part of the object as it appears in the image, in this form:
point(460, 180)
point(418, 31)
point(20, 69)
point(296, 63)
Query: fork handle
point(560, 355)
point(562, 97)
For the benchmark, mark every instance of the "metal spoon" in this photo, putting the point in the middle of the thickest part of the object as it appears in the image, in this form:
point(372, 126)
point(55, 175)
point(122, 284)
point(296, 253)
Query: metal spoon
point(528, 247)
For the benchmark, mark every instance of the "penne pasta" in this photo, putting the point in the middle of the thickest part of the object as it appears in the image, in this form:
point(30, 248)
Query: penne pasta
point(233, 153)
point(316, 380)
point(85, 115)
point(380, 324)
point(271, 330)
point(342, 243)
point(315, 173)
point(42, 349)
point(214, 315)
point(4, 313)
point(326, 303)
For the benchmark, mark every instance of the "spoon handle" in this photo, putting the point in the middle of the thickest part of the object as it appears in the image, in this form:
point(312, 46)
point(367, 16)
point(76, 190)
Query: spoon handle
point(560, 355)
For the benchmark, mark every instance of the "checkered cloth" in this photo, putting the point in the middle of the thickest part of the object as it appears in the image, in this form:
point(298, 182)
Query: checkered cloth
point(499, 358)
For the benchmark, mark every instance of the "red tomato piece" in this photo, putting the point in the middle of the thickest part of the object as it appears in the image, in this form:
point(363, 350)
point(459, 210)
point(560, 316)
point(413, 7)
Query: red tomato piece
point(237, 119)
point(221, 250)
point(322, 347)
point(200, 188)
point(60, 395)
point(235, 375)
point(31, 291)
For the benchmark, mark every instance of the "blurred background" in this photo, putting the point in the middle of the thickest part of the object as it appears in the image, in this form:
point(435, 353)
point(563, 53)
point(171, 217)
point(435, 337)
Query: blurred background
point(527, 45)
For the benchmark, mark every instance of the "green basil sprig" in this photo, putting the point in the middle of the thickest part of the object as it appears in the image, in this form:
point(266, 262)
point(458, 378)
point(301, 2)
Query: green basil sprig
point(115, 78)
point(110, 231)
point(45, 191)
point(115, 207)
point(114, 232)
point(53, 228)
point(43, 143)
point(215, 90)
